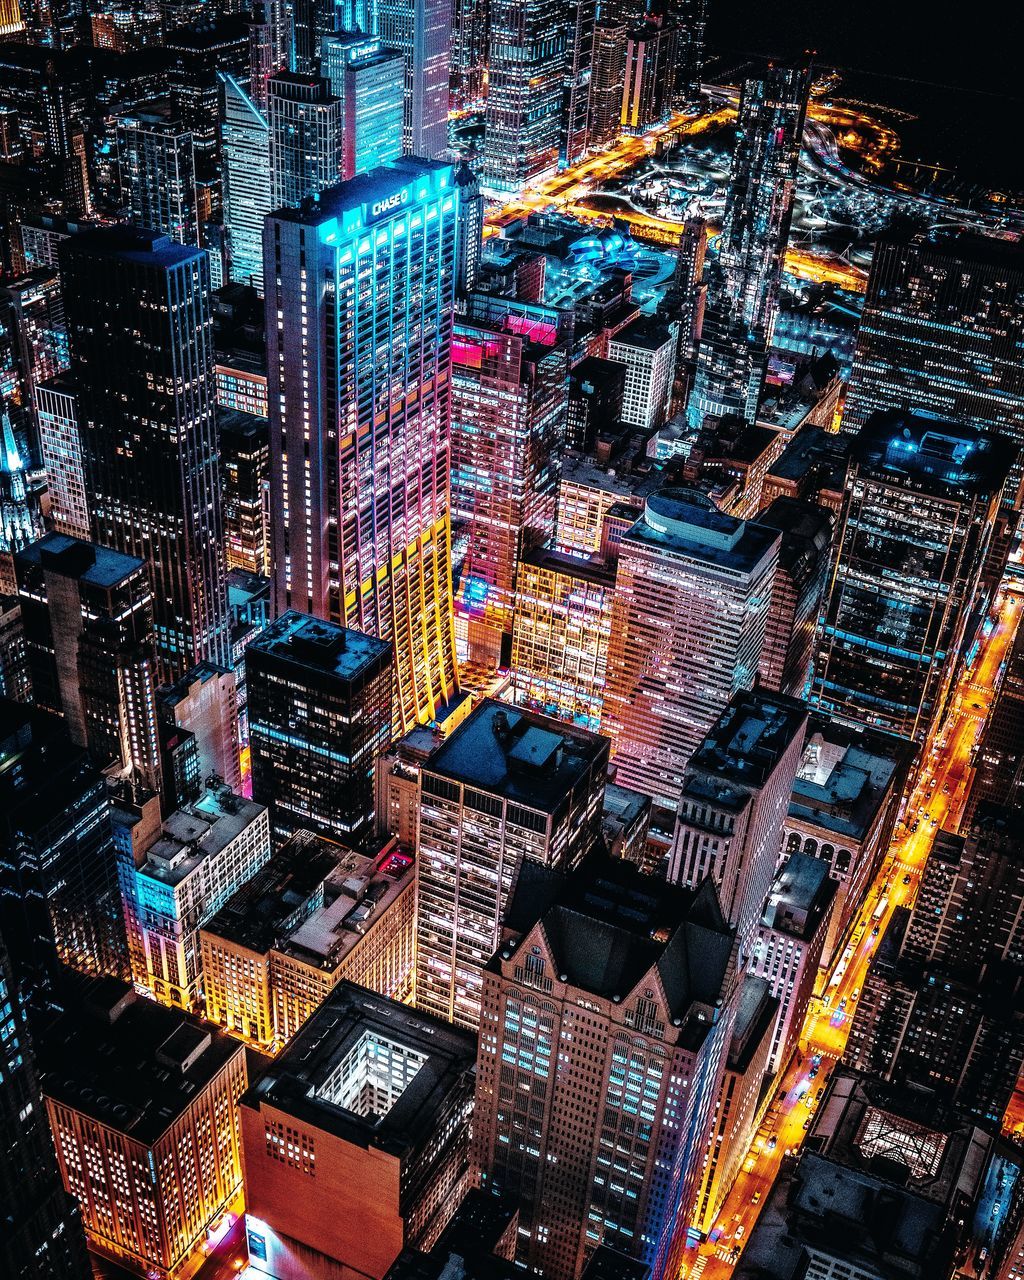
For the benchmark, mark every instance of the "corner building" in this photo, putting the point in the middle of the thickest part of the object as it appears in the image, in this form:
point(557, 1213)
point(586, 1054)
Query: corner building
point(360, 295)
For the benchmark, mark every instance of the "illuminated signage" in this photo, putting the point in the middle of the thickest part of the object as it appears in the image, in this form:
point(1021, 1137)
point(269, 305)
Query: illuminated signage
point(389, 204)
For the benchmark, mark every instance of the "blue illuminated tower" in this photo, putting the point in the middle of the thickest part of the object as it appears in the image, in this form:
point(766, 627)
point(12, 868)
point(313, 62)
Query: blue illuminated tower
point(245, 135)
point(369, 81)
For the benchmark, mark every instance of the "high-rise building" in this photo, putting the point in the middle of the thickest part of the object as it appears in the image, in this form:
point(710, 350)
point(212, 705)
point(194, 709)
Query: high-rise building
point(607, 77)
point(396, 785)
point(690, 17)
point(42, 1237)
point(369, 81)
point(469, 52)
point(508, 419)
point(367, 1110)
point(320, 711)
point(601, 1056)
point(203, 703)
point(60, 447)
point(525, 89)
point(245, 142)
point(692, 596)
point(245, 472)
point(922, 498)
point(649, 353)
point(470, 244)
point(87, 614)
point(15, 682)
point(33, 333)
point(59, 901)
point(999, 756)
point(143, 1104)
point(140, 327)
point(941, 334)
point(733, 804)
point(507, 787)
point(650, 73)
point(158, 175)
point(359, 399)
point(198, 53)
point(579, 61)
point(421, 30)
point(200, 856)
point(743, 295)
point(304, 118)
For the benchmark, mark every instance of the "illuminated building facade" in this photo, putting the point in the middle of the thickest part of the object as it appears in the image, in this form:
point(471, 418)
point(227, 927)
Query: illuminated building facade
point(60, 445)
point(421, 30)
point(508, 414)
point(33, 329)
point(579, 59)
point(369, 81)
point(600, 1065)
point(360, 392)
point(304, 118)
point(921, 502)
point(471, 233)
point(606, 82)
point(203, 703)
point(469, 52)
point(59, 900)
point(138, 309)
point(245, 472)
point(649, 353)
point(367, 1111)
point(743, 295)
point(396, 783)
point(201, 855)
point(526, 83)
point(143, 1105)
point(87, 614)
point(320, 711)
point(507, 787)
point(242, 387)
point(560, 636)
point(650, 73)
point(245, 144)
point(158, 175)
point(733, 803)
point(586, 495)
point(692, 595)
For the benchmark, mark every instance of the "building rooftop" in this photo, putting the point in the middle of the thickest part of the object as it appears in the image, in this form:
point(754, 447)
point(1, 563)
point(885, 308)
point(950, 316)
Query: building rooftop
point(687, 523)
point(86, 562)
point(523, 756)
point(316, 645)
point(800, 897)
point(140, 245)
point(197, 832)
point(130, 1063)
point(322, 1075)
point(592, 570)
point(366, 190)
point(813, 449)
point(643, 335)
point(755, 1019)
point(745, 744)
point(806, 530)
point(940, 458)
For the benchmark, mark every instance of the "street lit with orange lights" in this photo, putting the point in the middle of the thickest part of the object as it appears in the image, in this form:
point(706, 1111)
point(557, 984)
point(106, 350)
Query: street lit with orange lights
point(937, 801)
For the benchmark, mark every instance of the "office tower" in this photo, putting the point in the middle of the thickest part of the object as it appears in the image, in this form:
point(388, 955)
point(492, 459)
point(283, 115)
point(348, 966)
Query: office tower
point(846, 797)
point(245, 472)
point(316, 915)
point(469, 53)
point(204, 703)
point(690, 18)
point(525, 89)
point(692, 596)
point(201, 855)
point(305, 138)
point(320, 711)
point(648, 351)
point(265, 56)
point(367, 1111)
point(891, 1184)
point(311, 21)
point(21, 521)
point(396, 785)
point(689, 292)
point(801, 579)
point(369, 81)
point(596, 394)
point(138, 310)
point(33, 329)
point(59, 901)
point(421, 31)
point(60, 447)
point(239, 341)
point(142, 1101)
point(87, 614)
point(562, 625)
point(579, 60)
point(999, 757)
point(198, 54)
point(15, 681)
point(941, 334)
point(470, 244)
point(733, 804)
point(245, 143)
point(743, 293)
point(649, 76)
point(921, 502)
point(617, 1048)
point(158, 175)
point(607, 80)
point(587, 495)
point(812, 467)
point(42, 1237)
point(355, 385)
point(791, 936)
point(508, 420)
point(506, 788)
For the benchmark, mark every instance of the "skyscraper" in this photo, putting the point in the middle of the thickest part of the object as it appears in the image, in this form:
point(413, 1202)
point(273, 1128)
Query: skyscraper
point(579, 59)
point(650, 71)
point(359, 394)
point(245, 141)
point(369, 81)
point(421, 31)
point(60, 444)
point(470, 245)
point(606, 81)
point(305, 138)
point(141, 335)
point(320, 712)
point(526, 83)
point(743, 293)
point(469, 52)
point(922, 498)
point(506, 787)
point(245, 469)
point(691, 602)
point(158, 175)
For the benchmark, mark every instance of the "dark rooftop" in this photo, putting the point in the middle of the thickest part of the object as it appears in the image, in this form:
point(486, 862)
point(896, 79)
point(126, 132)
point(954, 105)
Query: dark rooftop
point(86, 562)
point(324, 647)
point(750, 737)
point(140, 245)
point(592, 570)
point(941, 458)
